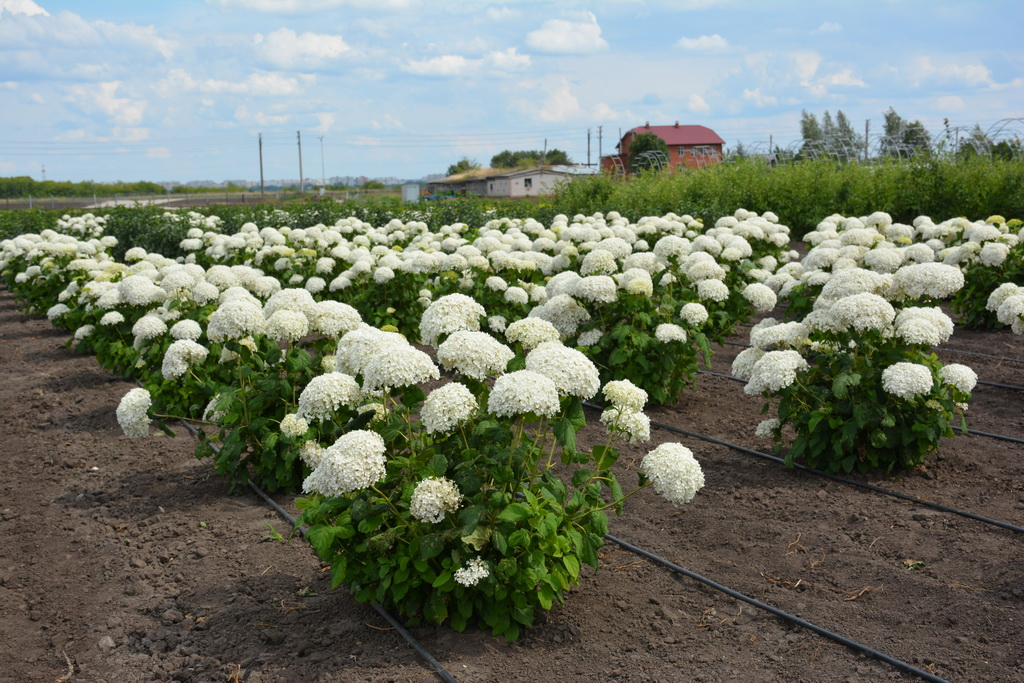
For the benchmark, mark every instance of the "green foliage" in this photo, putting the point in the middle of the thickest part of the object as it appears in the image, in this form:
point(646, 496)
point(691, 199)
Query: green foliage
point(24, 186)
point(843, 418)
point(640, 146)
point(462, 165)
point(532, 157)
point(981, 279)
point(803, 193)
point(531, 530)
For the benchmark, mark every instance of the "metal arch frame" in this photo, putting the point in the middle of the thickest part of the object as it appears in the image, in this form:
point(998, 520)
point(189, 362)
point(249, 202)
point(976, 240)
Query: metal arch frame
point(654, 156)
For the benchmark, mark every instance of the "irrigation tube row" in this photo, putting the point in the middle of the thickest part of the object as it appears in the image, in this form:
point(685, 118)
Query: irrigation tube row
point(446, 676)
point(420, 650)
point(833, 477)
point(974, 432)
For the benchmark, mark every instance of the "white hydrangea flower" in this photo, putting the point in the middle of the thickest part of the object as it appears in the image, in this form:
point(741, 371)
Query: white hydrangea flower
point(446, 407)
point(573, 373)
point(599, 262)
point(148, 327)
point(531, 332)
point(360, 346)
point(115, 318)
point(294, 426)
point(761, 296)
point(625, 395)
point(562, 311)
point(674, 471)
point(450, 313)
point(235, 319)
point(907, 380)
point(287, 325)
point(774, 371)
point(791, 335)
point(632, 423)
point(599, 288)
point(960, 376)
point(521, 392)
point(186, 329)
point(497, 323)
point(180, 356)
point(516, 295)
point(326, 394)
point(473, 573)
point(56, 311)
point(434, 498)
point(931, 280)
point(355, 461)
point(862, 312)
point(918, 325)
point(401, 366)
point(133, 413)
point(668, 332)
point(743, 364)
point(713, 290)
point(590, 337)
point(765, 428)
point(694, 314)
point(474, 354)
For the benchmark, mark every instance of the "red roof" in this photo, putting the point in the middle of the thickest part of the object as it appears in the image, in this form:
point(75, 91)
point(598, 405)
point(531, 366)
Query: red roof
point(680, 135)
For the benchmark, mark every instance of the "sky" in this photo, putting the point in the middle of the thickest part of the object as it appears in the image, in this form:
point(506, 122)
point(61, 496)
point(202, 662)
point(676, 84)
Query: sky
point(109, 90)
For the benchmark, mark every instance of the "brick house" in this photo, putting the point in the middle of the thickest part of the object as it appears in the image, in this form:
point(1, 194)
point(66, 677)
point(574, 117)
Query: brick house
point(688, 147)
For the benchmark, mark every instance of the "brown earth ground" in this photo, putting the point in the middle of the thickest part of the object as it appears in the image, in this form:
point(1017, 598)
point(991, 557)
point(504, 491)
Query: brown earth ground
point(127, 561)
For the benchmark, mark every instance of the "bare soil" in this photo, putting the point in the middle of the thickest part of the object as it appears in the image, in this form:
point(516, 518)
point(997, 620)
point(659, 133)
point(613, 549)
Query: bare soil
point(127, 561)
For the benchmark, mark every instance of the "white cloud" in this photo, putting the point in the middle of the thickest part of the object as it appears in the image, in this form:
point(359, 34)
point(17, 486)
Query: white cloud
point(759, 99)
point(37, 98)
point(507, 60)
point(26, 7)
point(130, 134)
point(103, 96)
point(806, 65)
point(9, 85)
point(456, 65)
point(243, 115)
point(560, 105)
point(67, 30)
point(288, 50)
point(445, 65)
point(326, 120)
point(922, 69)
point(829, 27)
point(697, 104)
point(158, 153)
point(260, 83)
point(565, 36)
point(388, 121)
point(846, 77)
point(308, 6)
point(502, 13)
point(710, 43)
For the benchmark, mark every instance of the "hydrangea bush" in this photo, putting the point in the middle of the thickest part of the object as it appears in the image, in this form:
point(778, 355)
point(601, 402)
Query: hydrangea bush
point(469, 501)
point(856, 380)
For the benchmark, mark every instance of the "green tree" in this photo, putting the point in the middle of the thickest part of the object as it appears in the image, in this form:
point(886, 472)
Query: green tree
point(373, 185)
point(643, 143)
point(901, 138)
point(527, 158)
point(462, 165)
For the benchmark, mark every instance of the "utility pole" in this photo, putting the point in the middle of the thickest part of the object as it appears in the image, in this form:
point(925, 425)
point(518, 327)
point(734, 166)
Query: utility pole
point(600, 152)
point(323, 175)
point(867, 127)
point(302, 185)
point(544, 158)
point(261, 166)
point(588, 148)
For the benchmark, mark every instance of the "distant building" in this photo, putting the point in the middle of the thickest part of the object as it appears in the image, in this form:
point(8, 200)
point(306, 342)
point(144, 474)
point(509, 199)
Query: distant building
point(688, 147)
point(505, 183)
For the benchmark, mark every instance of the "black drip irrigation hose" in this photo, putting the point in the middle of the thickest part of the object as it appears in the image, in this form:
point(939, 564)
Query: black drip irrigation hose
point(833, 477)
point(439, 669)
point(973, 432)
point(982, 355)
point(899, 664)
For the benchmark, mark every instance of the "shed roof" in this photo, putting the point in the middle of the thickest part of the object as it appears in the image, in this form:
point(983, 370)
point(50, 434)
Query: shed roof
point(680, 135)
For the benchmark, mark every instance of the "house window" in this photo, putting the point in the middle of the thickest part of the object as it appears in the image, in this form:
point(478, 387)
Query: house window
point(528, 183)
point(682, 151)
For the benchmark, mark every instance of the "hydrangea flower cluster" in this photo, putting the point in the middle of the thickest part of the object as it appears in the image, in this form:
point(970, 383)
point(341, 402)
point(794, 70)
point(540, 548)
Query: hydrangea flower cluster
point(133, 413)
point(434, 498)
point(675, 472)
point(355, 461)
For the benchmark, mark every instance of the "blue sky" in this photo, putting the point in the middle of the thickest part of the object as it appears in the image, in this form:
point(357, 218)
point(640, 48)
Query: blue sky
point(125, 90)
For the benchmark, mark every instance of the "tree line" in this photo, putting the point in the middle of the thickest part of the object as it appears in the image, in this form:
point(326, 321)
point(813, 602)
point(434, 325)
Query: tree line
point(19, 187)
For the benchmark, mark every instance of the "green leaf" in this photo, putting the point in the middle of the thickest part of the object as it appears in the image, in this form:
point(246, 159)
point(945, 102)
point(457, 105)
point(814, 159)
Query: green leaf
point(515, 512)
point(572, 564)
point(581, 476)
point(431, 545)
point(338, 568)
point(438, 465)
